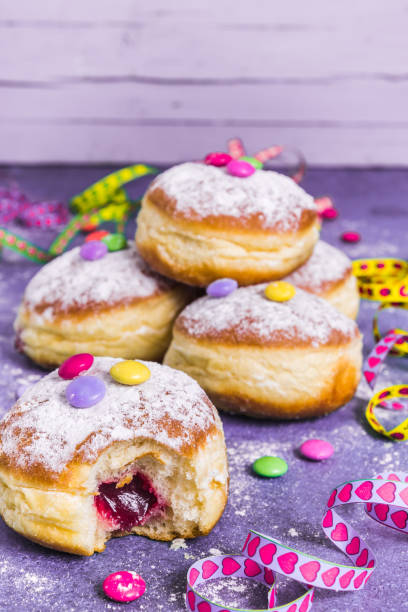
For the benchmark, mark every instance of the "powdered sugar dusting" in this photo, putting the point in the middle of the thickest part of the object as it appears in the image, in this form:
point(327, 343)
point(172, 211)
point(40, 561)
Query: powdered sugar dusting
point(43, 429)
point(70, 282)
point(202, 191)
point(248, 314)
point(326, 265)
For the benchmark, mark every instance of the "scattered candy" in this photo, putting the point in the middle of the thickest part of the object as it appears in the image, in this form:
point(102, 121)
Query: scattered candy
point(217, 159)
point(270, 467)
point(93, 250)
point(256, 163)
point(240, 168)
point(89, 227)
point(263, 555)
point(280, 291)
point(74, 365)
point(85, 391)
point(317, 450)
point(115, 242)
point(221, 287)
point(329, 213)
point(130, 372)
point(351, 237)
point(124, 586)
point(96, 235)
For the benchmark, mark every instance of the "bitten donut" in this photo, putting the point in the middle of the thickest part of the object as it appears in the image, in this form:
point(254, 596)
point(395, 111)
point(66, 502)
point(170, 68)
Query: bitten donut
point(146, 458)
point(328, 273)
point(199, 223)
point(114, 306)
point(268, 358)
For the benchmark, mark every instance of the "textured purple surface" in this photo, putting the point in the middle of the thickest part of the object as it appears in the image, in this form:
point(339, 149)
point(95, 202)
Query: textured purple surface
point(289, 508)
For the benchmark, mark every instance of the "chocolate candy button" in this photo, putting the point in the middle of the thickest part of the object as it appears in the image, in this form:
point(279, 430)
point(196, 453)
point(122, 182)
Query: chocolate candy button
point(85, 391)
point(351, 237)
point(221, 287)
point(124, 586)
point(270, 467)
point(316, 450)
point(75, 365)
point(217, 159)
point(240, 168)
point(253, 161)
point(93, 250)
point(115, 242)
point(280, 291)
point(130, 372)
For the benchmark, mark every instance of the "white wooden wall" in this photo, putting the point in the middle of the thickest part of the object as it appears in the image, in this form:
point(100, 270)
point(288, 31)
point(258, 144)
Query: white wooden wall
point(165, 80)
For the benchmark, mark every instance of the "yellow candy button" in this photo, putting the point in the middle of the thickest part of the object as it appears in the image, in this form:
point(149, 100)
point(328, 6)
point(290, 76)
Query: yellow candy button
point(280, 291)
point(130, 372)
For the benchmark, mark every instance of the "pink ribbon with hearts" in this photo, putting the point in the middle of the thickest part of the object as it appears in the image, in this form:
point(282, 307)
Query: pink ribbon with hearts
point(385, 499)
point(14, 205)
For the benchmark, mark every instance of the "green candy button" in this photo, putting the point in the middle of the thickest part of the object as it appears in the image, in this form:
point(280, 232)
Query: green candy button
point(253, 161)
point(115, 242)
point(270, 467)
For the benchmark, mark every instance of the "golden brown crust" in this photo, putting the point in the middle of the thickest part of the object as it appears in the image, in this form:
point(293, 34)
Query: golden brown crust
point(243, 335)
point(193, 491)
point(139, 330)
point(253, 223)
point(196, 253)
point(341, 391)
point(270, 382)
point(326, 286)
point(76, 471)
point(46, 442)
point(247, 318)
point(79, 311)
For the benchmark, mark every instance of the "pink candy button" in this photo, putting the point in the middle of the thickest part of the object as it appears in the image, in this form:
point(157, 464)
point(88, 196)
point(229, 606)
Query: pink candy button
point(217, 159)
point(75, 365)
point(241, 168)
point(316, 450)
point(329, 213)
point(351, 237)
point(124, 586)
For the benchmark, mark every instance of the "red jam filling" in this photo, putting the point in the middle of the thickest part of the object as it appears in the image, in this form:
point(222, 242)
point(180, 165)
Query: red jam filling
point(129, 505)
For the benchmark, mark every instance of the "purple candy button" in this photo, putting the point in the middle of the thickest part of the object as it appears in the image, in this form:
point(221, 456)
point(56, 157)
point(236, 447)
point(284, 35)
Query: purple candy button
point(85, 391)
point(241, 168)
point(222, 287)
point(316, 450)
point(93, 250)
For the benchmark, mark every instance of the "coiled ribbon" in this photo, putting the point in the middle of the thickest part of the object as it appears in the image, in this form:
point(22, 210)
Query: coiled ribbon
point(385, 499)
point(388, 397)
point(384, 280)
point(105, 200)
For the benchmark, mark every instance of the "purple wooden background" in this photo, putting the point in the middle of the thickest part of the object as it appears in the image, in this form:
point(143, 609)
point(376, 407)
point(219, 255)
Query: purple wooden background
point(163, 81)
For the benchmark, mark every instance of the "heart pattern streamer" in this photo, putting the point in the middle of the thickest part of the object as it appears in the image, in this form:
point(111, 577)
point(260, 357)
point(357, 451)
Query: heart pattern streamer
point(385, 499)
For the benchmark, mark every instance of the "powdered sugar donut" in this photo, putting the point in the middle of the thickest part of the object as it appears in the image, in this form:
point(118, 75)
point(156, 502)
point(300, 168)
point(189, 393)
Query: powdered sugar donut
point(147, 459)
point(199, 223)
point(328, 273)
point(112, 306)
point(291, 359)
